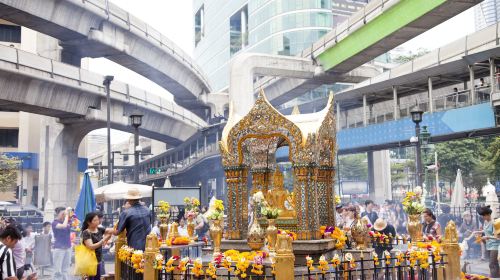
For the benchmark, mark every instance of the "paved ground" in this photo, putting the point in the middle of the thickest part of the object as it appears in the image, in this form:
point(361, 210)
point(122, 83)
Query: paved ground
point(47, 273)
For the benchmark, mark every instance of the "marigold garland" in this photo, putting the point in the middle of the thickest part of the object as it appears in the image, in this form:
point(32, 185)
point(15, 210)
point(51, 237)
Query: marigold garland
point(137, 260)
point(197, 268)
point(169, 266)
point(182, 264)
point(211, 271)
point(309, 263)
point(158, 261)
point(124, 253)
point(335, 261)
point(376, 261)
point(323, 265)
point(387, 257)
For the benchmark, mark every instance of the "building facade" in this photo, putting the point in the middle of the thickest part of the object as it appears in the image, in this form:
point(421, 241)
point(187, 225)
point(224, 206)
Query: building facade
point(281, 27)
point(486, 13)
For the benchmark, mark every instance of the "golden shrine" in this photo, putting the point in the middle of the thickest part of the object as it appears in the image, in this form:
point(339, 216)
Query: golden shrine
point(248, 148)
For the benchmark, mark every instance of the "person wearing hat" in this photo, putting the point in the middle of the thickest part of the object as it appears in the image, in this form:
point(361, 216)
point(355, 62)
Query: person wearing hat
point(381, 226)
point(136, 220)
point(492, 241)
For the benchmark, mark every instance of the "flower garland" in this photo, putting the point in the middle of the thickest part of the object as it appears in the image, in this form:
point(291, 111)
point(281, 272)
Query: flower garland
point(124, 253)
point(273, 267)
point(335, 261)
point(169, 266)
point(158, 261)
point(211, 271)
point(197, 268)
point(387, 256)
point(473, 277)
point(257, 265)
point(337, 199)
point(341, 238)
point(352, 263)
point(376, 261)
point(241, 267)
point(309, 263)
point(182, 264)
point(400, 257)
point(323, 265)
point(137, 260)
point(292, 234)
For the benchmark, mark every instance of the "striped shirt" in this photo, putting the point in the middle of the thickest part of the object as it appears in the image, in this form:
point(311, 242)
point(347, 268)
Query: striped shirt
point(8, 264)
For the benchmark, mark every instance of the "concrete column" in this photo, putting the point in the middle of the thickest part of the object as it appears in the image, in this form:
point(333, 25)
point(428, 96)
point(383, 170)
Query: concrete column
point(395, 100)
point(62, 164)
point(365, 119)
point(472, 88)
point(205, 143)
point(431, 95)
point(492, 77)
point(338, 116)
point(379, 175)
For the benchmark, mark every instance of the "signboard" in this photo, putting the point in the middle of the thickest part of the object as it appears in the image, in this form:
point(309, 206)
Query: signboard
point(354, 187)
point(175, 196)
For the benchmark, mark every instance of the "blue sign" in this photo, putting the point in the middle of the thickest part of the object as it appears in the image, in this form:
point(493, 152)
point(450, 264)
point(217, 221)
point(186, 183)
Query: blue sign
point(497, 186)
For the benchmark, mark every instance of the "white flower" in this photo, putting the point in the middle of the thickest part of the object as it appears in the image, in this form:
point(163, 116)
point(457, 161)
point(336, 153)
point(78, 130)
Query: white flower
point(258, 197)
point(322, 258)
point(418, 190)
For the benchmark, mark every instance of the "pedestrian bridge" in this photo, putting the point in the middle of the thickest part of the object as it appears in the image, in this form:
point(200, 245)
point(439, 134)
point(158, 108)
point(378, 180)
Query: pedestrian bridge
point(99, 28)
point(373, 30)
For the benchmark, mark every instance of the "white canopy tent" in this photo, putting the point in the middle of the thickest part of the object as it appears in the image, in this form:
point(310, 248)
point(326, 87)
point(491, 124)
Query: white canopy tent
point(458, 194)
point(118, 190)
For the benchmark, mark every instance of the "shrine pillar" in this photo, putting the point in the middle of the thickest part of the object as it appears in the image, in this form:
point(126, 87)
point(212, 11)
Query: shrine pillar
point(306, 201)
point(325, 194)
point(261, 180)
point(237, 202)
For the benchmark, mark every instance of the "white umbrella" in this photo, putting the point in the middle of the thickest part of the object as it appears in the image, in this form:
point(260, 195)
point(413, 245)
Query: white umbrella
point(458, 195)
point(119, 189)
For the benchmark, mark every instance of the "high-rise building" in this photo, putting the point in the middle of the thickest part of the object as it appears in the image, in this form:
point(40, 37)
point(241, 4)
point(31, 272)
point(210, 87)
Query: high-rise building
point(282, 27)
point(486, 13)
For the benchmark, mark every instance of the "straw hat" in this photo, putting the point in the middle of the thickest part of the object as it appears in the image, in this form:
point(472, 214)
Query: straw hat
point(496, 226)
point(380, 224)
point(133, 193)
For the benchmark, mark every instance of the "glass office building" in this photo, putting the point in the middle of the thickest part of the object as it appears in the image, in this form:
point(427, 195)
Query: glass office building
point(283, 27)
point(486, 13)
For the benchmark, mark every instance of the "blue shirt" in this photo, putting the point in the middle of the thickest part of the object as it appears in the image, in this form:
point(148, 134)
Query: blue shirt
point(136, 220)
point(491, 244)
point(62, 236)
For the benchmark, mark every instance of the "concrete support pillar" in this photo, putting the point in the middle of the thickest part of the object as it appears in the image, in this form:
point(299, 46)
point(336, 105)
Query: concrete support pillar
point(431, 95)
point(59, 164)
point(472, 99)
point(492, 77)
point(365, 118)
point(243, 28)
point(205, 143)
point(379, 175)
point(395, 102)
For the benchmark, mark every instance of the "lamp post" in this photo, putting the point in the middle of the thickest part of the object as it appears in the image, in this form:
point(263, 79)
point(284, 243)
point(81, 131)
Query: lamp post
point(416, 117)
point(107, 83)
point(136, 121)
point(113, 164)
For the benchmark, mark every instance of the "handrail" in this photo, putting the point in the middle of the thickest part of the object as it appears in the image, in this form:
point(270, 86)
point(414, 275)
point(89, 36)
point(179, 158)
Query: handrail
point(83, 79)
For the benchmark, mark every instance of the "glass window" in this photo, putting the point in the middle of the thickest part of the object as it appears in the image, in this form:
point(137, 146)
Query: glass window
point(9, 138)
point(199, 26)
point(10, 33)
point(238, 29)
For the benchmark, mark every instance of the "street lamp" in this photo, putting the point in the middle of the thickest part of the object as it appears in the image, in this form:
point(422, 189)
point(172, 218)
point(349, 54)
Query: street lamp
point(136, 121)
point(107, 83)
point(416, 117)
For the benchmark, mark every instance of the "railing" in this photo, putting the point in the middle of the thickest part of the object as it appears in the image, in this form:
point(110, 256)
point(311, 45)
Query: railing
point(220, 273)
point(386, 267)
point(129, 272)
point(440, 103)
point(87, 81)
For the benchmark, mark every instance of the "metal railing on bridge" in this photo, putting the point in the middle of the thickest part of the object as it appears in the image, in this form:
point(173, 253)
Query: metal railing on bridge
point(449, 101)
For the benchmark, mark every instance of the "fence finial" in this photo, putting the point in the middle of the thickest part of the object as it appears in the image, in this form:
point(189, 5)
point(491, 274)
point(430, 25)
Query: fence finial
point(152, 249)
point(452, 251)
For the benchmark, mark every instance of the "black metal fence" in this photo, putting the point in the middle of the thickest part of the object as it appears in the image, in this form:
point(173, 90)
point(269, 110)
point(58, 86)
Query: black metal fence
point(392, 268)
point(129, 272)
point(220, 273)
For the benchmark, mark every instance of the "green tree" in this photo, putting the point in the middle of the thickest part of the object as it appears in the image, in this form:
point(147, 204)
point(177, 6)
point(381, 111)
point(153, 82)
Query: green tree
point(353, 167)
point(490, 165)
point(8, 173)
